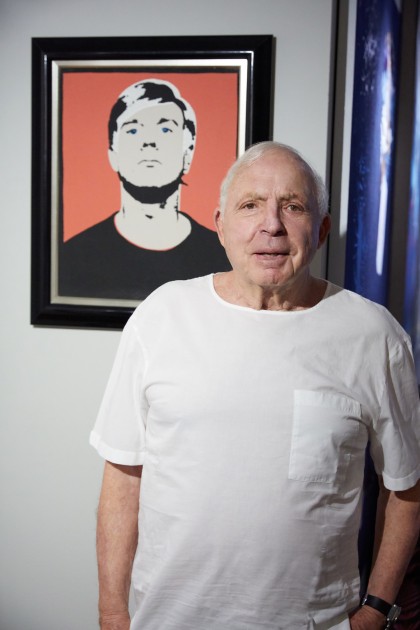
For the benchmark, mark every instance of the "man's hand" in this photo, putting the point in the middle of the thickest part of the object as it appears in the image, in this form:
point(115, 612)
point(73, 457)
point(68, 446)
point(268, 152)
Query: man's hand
point(115, 621)
point(367, 618)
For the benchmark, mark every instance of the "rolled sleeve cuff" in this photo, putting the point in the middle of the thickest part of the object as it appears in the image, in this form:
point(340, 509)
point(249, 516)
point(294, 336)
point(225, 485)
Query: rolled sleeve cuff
point(403, 483)
point(114, 455)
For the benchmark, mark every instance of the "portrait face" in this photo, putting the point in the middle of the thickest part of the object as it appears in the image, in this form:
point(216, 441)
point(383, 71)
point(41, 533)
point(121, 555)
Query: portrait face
point(150, 146)
point(271, 227)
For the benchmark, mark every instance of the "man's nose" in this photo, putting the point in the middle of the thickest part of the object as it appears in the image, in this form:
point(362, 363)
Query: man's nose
point(149, 144)
point(272, 222)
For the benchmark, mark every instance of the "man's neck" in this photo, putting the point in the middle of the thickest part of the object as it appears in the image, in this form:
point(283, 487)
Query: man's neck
point(302, 294)
point(156, 226)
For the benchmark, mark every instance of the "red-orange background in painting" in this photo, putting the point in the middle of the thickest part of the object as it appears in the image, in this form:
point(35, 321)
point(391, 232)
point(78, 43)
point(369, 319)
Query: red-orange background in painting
point(91, 189)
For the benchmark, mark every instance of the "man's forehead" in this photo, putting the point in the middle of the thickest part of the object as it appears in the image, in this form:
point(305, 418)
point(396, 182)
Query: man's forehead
point(146, 108)
point(274, 168)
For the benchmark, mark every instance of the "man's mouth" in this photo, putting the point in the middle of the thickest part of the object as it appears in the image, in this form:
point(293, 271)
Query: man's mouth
point(271, 254)
point(149, 163)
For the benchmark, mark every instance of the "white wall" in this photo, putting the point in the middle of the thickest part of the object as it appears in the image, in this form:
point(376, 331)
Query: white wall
point(52, 379)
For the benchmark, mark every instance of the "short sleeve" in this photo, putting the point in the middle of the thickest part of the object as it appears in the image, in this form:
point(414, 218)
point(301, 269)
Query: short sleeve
point(119, 431)
point(395, 442)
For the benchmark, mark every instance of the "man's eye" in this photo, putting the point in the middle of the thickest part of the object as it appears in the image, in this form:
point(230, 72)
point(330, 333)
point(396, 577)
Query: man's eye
point(250, 205)
point(292, 207)
point(166, 130)
point(132, 131)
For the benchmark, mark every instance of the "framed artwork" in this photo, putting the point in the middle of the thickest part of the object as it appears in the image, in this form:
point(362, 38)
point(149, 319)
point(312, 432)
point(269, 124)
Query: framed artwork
point(376, 81)
point(131, 138)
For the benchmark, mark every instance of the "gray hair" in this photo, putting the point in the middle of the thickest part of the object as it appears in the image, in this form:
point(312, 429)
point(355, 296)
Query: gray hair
point(259, 150)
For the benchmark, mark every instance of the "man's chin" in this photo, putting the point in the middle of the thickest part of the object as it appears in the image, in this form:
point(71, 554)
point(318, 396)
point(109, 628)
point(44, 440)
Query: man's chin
point(151, 194)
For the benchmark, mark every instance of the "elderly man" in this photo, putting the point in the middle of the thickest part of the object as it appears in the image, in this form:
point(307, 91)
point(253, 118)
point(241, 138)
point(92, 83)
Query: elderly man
point(149, 241)
point(244, 402)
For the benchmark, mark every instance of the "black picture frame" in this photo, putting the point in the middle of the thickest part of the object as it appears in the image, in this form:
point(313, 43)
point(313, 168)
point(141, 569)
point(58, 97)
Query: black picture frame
point(254, 53)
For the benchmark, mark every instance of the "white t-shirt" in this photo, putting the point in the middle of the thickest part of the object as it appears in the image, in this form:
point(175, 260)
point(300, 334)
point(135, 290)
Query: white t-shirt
point(251, 427)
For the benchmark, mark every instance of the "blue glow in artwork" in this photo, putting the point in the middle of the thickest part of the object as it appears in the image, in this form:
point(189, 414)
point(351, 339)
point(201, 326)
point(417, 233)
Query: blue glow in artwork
point(370, 189)
point(371, 161)
point(412, 282)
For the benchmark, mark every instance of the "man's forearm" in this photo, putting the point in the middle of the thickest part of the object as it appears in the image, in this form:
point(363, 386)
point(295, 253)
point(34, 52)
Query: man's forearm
point(117, 534)
point(398, 524)
point(397, 531)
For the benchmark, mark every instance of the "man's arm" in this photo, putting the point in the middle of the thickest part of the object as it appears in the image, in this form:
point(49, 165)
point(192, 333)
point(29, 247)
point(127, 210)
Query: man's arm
point(116, 542)
point(397, 532)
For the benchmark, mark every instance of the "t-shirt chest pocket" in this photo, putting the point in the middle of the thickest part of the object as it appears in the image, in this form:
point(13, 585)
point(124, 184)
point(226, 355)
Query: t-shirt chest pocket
point(327, 434)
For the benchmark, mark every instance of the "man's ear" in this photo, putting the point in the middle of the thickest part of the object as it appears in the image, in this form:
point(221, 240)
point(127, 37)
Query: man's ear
point(113, 160)
point(324, 230)
point(188, 157)
point(218, 222)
